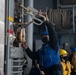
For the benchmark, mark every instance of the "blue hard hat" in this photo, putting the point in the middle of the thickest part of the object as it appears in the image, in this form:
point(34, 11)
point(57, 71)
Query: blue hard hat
point(45, 33)
point(73, 49)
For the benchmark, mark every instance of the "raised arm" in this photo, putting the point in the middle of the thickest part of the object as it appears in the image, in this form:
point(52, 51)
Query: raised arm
point(31, 54)
point(52, 35)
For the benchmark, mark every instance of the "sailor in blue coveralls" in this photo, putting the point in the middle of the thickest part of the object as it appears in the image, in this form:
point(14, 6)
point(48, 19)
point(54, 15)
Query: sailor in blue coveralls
point(48, 55)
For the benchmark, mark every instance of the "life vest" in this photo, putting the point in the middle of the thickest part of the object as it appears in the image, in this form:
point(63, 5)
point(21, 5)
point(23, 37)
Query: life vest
point(74, 62)
point(66, 67)
point(48, 57)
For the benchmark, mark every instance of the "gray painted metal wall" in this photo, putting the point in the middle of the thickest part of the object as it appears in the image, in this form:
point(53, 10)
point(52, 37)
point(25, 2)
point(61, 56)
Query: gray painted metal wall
point(2, 15)
point(66, 38)
point(43, 4)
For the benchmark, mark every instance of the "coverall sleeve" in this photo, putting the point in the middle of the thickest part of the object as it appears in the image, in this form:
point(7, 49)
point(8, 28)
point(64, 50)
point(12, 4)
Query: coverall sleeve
point(52, 35)
point(31, 54)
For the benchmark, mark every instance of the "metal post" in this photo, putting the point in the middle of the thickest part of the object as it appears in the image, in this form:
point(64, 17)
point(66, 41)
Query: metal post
point(9, 14)
point(6, 23)
point(73, 19)
point(30, 28)
point(29, 36)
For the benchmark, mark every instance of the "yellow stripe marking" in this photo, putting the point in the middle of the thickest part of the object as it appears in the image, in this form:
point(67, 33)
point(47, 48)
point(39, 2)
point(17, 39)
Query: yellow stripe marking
point(10, 18)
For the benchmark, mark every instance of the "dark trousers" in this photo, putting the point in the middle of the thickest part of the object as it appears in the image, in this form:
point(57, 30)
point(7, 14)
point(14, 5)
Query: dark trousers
point(54, 70)
point(73, 73)
point(34, 71)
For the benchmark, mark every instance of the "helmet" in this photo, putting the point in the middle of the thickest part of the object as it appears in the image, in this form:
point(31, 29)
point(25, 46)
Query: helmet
point(45, 33)
point(73, 49)
point(63, 52)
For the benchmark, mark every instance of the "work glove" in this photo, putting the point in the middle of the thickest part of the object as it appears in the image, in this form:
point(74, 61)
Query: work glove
point(42, 73)
point(24, 45)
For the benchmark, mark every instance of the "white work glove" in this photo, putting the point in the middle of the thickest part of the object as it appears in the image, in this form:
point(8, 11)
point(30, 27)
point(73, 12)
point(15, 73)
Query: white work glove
point(44, 14)
point(24, 45)
point(42, 73)
point(37, 66)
